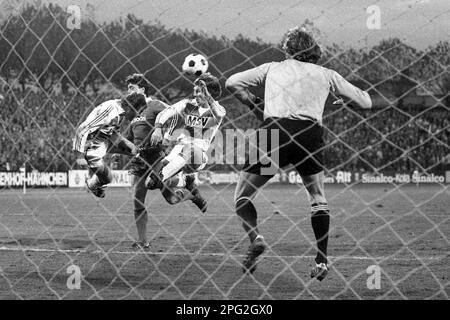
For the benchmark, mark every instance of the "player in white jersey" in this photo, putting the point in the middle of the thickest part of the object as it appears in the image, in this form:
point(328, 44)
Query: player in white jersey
point(202, 117)
point(99, 135)
point(294, 98)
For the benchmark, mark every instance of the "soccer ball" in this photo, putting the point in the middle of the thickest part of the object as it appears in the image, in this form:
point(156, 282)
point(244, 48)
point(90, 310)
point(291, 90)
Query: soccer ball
point(195, 65)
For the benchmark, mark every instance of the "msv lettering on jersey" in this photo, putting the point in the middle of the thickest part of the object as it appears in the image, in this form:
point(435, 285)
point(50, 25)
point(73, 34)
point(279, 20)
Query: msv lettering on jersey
point(194, 121)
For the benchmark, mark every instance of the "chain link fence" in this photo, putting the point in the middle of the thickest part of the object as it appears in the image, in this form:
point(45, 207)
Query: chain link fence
point(388, 170)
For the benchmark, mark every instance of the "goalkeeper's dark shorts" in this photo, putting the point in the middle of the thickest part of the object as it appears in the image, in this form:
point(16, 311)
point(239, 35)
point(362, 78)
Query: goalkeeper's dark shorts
point(300, 143)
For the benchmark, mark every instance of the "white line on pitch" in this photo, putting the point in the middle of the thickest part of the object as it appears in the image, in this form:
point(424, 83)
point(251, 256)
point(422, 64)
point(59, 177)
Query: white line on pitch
point(76, 215)
point(107, 252)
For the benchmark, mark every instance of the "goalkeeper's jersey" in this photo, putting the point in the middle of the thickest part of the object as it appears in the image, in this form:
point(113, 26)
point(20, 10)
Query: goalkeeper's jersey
point(101, 122)
point(200, 124)
point(297, 90)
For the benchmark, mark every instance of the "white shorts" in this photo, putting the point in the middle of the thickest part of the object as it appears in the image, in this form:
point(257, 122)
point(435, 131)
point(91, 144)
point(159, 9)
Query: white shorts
point(96, 150)
point(178, 150)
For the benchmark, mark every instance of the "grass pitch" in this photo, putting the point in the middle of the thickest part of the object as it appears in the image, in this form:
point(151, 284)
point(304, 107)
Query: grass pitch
point(402, 230)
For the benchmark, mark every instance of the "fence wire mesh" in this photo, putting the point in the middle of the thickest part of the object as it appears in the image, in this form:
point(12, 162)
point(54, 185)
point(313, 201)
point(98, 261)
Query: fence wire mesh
point(58, 63)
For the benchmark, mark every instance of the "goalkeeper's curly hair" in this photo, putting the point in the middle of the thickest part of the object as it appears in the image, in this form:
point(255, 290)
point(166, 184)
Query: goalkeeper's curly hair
point(300, 45)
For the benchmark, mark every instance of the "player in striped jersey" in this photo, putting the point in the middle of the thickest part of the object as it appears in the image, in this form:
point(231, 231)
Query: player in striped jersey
point(202, 117)
point(294, 98)
point(99, 135)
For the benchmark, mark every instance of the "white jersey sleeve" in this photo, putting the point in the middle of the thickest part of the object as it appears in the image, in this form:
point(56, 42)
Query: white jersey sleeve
point(105, 117)
point(250, 78)
point(345, 88)
point(171, 111)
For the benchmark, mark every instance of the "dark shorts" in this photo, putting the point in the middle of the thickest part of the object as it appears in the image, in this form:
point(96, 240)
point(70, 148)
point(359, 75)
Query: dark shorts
point(148, 160)
point(300, 143)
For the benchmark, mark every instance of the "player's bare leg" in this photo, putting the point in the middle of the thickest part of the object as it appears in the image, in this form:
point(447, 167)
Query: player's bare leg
point(163, 171)
point(101, 174)
point(246, 189)
point(175, 195)
point(197, 198)
point(165, 176)
point(100, 177)
point(172, 195)
point(140, 213)
point(320, 221)
point(190, 158)
point(182, 187)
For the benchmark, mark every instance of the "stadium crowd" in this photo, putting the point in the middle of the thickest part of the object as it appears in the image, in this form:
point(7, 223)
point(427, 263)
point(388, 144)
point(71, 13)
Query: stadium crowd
point(387, 140)
point(37, 129)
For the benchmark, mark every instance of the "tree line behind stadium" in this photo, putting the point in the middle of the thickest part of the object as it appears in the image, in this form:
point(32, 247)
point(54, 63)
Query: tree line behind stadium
point(51, 77)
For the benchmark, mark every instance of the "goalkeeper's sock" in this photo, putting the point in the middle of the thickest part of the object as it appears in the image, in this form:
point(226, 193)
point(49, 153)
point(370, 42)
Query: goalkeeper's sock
point(320, 220)
point(247, 211)
point(173, 167)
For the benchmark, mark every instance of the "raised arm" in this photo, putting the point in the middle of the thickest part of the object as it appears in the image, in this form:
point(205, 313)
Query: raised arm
point(162, 117)
point(239, 83)
point(217, 110)
point(345, 88)
point(169, 112)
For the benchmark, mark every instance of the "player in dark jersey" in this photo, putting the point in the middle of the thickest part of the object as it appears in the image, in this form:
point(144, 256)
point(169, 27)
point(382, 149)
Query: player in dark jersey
point(139, 131)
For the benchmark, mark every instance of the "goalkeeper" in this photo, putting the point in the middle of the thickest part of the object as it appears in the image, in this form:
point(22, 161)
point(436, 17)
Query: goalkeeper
point(294, 98)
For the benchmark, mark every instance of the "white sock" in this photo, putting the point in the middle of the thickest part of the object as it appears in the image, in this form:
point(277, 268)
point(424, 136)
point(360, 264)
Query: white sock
point(181, 180)
point(175, 165)
point(259, 237)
